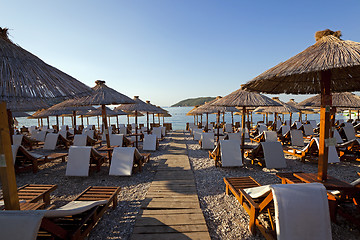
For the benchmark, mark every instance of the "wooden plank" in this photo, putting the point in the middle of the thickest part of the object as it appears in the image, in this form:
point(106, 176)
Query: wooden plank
point(171, 229)
point(171, 204)
point(155, 212)
point(161, 220)
point(172, 236)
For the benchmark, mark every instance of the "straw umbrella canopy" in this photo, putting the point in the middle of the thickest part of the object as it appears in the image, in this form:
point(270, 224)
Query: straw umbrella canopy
point(330, 65)
point(244, 99)
point(26, 78)
point(154, 110)
point(103, 95)
point(137, 106)
point(192, 112)
point(345, 100)
point(20, 114)
point(302, 109)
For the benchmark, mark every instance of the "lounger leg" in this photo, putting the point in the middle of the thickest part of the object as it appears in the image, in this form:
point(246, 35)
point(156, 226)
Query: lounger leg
point(252, 225)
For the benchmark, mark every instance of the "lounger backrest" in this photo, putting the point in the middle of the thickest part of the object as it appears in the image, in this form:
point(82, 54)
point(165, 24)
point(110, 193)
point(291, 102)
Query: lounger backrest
point(157, 132)
point(207, 140)
point(40, 135)
point(301, 211)
point(278, 125)
point(337, 137)
point(149, 142)
point(20, 225)
point(17, 139)
point(313, 123)
point(235, 136)
point(297, 138)
point(349, 132)
point(298, 125)
point(262, 128)
point(348, 124)
point(285, 129)
point(64, 127)
point(287, 122)
point(50, 141)
point(144, 129)
point(197, 134)
point(123, 130)
point(14, 149)
point(78, 161)
point(308, 129)
point(133, 126)
point(333, 156)
point(63, 132)
point(270, 136)
point(228, 127)
point(122, 161)
point(116, 140)
point(80, 140)
point(163, 131)
point(230, 153)
point(90, 133)
point(273, 155)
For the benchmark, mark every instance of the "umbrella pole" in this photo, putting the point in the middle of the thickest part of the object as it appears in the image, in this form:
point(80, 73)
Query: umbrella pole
point(82, 120)
point(117, 121)
point(201, 120)
point(87, 120)
point(251, 115)
point(136, 128)
point(358, 116)
point(207, 122)
point(38, 122)
point(232, 118)
point(223, 120)
point(98, 123)
point(103, 112)
point(243, 133)
point(217, 126)
point(159, 119)
point(48, 122)
point(63, 120)
point(41, 120)
point(326, 103)
point(7, 171)
point(128, 119)
point(290, 118)
point(263, 117)
point(57, 122)
point(267, 118)
point(74, 116)
point(300, 116)
point(11, 124)
point(275, 121)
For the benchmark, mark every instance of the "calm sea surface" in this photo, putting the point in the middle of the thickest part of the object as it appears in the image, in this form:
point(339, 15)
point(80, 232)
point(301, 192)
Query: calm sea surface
point(178, 118)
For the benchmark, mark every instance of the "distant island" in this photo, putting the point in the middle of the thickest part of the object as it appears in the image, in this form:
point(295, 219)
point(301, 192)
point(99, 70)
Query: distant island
point(193, 102)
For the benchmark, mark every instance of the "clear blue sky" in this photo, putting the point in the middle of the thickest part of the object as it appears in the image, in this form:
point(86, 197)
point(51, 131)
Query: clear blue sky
point(169, 50)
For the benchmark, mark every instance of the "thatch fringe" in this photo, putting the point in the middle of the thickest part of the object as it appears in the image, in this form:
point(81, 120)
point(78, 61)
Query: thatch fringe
point(326, 32)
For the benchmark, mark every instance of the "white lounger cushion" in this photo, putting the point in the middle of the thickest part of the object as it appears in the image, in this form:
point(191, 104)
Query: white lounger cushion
point(228, 127)
point(163, 131)
point(285, 129)
point(207, 140)
point(149, 142)
point(333, 156)
point(337, 137)
point(297, 138)
point(78, 161)
point(313, 123)
point(301, 210)
point(349, 132)
point(308, 129)
point(80, 140)
point(230, 153)
point(262, 128)
point(17, 139)
point(157, 132)
point(270, 136)
point(116, 140)
point(123, 130)
point(122, 161)
point(20, 225)
point(14, 149)
point(197, 134)
point(274, 155)
point(72, 208)
point(235, 136)
point(50, 141)
point(39, 135)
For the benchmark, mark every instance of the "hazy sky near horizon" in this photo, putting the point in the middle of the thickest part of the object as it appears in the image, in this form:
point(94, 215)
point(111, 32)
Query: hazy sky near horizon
point(169, 50)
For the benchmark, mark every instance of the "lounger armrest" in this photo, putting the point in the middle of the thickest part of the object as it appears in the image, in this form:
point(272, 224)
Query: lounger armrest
point(248, 199)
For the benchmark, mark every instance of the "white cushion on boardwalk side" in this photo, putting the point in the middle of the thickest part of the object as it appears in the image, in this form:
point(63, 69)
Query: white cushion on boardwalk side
point(116, 139)
point(63, 132)
point(20, 225)
point(297, 138)
point(80, 140)
point(78, 161)
point(301, 211)
point(123, 130)
point(230, 153)
point(270, 136)
point(90, 133)
point(163, 131)
point(17, 139)
point(207, 140)
point(149, 142)
point(72, 208)
point(273, 154)
point(40, 135)
point(50, 141)
point(197, 134)
point(122, 161)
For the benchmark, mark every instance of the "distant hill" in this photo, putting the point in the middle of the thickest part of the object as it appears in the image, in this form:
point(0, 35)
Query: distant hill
point(193, 102)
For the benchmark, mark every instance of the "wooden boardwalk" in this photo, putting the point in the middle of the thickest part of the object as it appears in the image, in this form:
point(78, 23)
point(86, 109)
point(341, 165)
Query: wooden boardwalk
point(171, 209)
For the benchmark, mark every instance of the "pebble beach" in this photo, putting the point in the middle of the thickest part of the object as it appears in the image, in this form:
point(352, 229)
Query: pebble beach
point(225, 218)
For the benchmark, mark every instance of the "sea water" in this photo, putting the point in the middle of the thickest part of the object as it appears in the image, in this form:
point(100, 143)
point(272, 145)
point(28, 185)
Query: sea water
point(178, 119)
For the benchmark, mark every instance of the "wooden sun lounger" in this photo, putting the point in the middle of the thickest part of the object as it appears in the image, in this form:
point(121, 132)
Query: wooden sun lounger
point(311, 153)
point(29, 142)
point(254, 207)
point(79, 226)
point(27, 161)
point(349, 150)
point(97, 159)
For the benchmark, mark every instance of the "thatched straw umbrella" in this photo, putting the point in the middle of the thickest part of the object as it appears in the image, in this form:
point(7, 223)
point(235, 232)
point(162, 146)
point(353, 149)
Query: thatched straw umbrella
point(98, 112)
point(345, 100)
point(103, 95)
point(244, 99)
point(154, 110)
point(330, 65)
point(281, 108)
point(26, 78)
point(119, 112)
point(302, 109)
point(192, 112)
point(137, 106)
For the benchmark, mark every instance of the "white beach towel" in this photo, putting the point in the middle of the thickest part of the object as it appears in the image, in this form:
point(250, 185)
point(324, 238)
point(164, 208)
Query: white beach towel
point(78, 161)
point(207, 140)
point(14, 149)
point(72, 208)
point(157, 132)
point(297, 138)
point(273, 155)
point(230, 153)
point(19, 225)
point(122, 161)
point(50, 141)
point(235, 136)
point(149, 142)
point(197, 134)
point(313, 123)
point(285, 129)
point(333, 156)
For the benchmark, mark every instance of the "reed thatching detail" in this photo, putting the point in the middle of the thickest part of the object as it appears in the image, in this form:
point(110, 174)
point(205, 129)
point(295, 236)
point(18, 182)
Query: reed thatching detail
point(283, 108)
point(137, 105)
point(242, 98)
point(23, 75)
point(27, 104)
point(103, 95)
point(210, 108)
point(20, 114)
point(344, 100)
point(301, 73)
point(98, 112)
point(63, 108)
point(301, 108)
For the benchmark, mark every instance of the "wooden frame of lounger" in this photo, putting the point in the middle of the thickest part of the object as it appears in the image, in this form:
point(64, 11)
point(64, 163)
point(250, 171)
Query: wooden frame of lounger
point(258, 138)
point(309, 153)
point(254, 207)
point(96, 160)
point(29, 142)
point(28, 162)
point(216, 156)
point(79, 226)
point(349, 150)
